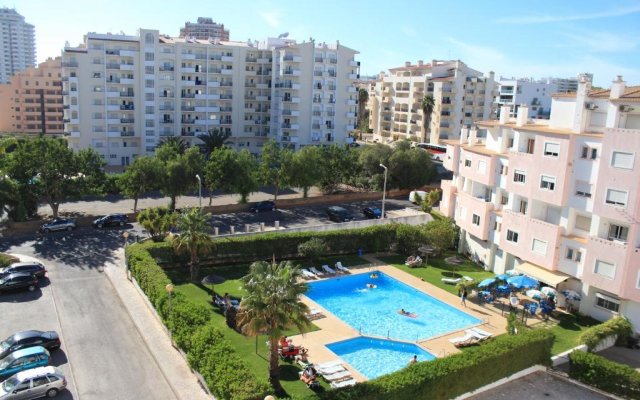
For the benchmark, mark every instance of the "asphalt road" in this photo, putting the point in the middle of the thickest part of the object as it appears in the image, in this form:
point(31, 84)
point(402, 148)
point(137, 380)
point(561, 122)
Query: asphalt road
point(102, 355)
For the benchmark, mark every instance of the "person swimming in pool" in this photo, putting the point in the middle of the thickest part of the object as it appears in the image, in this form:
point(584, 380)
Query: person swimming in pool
point(373, 275)
point(371, 286)
point(402, 311)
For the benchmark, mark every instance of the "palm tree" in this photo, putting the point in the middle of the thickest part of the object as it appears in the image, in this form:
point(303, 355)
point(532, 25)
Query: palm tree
point(177, 143)
point(363, 98)
point(427, 108)
point(212, 140)
point(194, 237)
point(272, 305)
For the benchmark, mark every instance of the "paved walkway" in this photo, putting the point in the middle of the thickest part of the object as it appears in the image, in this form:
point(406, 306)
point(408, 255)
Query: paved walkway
point(173, 366)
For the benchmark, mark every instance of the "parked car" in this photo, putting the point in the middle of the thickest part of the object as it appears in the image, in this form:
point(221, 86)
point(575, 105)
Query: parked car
point(18, 280)
point(24, 339)
point(372, 212)
point(414, 199)
point(22, 359)
point(33, 383)
point(111, 220)
point(266, 205)
point(340, 214)
point(31, 267)
point(58, 224)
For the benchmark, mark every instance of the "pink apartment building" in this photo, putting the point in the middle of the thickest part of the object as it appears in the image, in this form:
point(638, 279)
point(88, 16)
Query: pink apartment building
point(556, 199)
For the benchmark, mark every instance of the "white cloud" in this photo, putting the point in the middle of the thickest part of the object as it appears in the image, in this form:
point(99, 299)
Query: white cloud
point(594, 41)
point(272, 18)
point(543, 19)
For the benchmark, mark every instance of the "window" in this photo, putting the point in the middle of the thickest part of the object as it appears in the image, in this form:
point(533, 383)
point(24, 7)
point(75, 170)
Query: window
point(539, 246)
point(467, 162)
point(512, 236)
point(482, 167)
point(589, 152)
point(570, 253)
point(551, 149)
point(583, 223)
point(530, 145)
point(607, 302)
point(573, 254)
point(476, 220)
point(620, 159)
point(618, 232)
point(605, 269)
point(523, 206)
point(547, 182)
point(616, 197)
point(503, 169)
point(519, 176)
point(504, 200)
point(578, 256)
point(148, 56)
point(583, 189)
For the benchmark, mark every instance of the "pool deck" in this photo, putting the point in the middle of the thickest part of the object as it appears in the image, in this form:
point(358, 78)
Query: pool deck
point(333, 329)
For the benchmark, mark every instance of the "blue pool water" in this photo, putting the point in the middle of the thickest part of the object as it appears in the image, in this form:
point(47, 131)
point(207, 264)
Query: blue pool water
point(376, 357)
point(374, 311)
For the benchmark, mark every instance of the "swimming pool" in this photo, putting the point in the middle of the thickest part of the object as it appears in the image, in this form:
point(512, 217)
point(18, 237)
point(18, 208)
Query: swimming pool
point(374, 311)
point(376, 357)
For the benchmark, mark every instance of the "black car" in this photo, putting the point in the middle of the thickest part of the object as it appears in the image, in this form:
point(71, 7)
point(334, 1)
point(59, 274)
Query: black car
point(34, 268)
point(111, 220)
point(49, 340)
point(372, 212)
point(18, 280)
point(266, 205)
point(339, 214)
point(58, 224)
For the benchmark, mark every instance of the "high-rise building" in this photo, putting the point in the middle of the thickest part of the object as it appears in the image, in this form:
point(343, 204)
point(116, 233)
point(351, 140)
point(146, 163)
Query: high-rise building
point(17, 44)
point(32, 102)
point(558, 200)
point(204, 29)
point(461, 96)
point(124, 94)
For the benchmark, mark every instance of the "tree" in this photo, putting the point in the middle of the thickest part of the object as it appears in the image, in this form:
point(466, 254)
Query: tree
point(212, 140)
point(157, 221)
point(272, 169)
point(141, 176)
point(370, 158)
point(194, 237)
point(272, 305)
point(339, 164)
point(8, 194)
point(363, 98)
point(244, 179)
point(304, 168)
point(171, 147)
point(219, 170)
point(440, 234)
point(427, 105)
point(313, 249)
point(180, 174)
point(410, 168)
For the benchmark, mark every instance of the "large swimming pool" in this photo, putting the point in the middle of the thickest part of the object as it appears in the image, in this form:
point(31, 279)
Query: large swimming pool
point(374, 311)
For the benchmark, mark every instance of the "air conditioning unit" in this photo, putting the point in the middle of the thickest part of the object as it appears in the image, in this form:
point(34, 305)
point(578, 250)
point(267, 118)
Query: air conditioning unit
point(590, 106)
point(624, 108)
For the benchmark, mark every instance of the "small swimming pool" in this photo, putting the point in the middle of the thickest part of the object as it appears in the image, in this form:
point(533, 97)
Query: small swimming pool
point(374, 311)
point(376, 357)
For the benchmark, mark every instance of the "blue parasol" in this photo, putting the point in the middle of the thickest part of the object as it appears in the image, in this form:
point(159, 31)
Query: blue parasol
point(487, 282)
point(522, 281)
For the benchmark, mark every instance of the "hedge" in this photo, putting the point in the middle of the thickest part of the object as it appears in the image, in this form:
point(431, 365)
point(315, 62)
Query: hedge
point(6, 260)
point(619, 326)
point(224, 372)
point(603, 374)
point(452, 376)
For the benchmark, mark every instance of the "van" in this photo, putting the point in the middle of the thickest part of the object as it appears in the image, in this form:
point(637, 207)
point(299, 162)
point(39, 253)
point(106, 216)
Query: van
point(20, 360)
point(414, 199)
point(33, 383)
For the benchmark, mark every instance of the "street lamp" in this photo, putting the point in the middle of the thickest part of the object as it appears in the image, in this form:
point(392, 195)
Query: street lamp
point(199, 190)
point(384, 190)
point(169, 289)
point(125, 235)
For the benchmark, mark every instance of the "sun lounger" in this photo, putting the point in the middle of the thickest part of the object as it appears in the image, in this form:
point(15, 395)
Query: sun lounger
point(314, 314)
point(467, 278)
point(331, 370)
point(308, 274)
point(328, 364)
point(451, 280)
point(345, 383)
point(337, 376)
point(341, 267)
point(480, 332)
point(328, 270)
point(468, 336)
point(315, 271)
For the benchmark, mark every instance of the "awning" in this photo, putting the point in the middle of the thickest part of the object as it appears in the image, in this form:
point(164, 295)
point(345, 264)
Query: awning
point(551, 278)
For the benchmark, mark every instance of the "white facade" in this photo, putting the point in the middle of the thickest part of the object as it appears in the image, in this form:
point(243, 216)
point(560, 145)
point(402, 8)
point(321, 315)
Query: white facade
point(17, 44)
point(534, 94)
point(461, 95)
point(124, 94)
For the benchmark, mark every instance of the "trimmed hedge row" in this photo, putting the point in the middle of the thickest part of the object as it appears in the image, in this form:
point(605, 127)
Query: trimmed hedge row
point(619, 326)
point(208, 352)
point(447, 378)
point(603, 374)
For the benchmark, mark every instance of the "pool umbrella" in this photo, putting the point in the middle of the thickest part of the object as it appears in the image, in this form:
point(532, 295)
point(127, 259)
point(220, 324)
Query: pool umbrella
point(535, 294)
point(522, 282)
point(487, 282)
point(549, 291)
point(572, 295)
point(503, 277)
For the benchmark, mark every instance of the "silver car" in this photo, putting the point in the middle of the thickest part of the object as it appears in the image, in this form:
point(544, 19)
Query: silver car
point(59, 224)
point(33, 383)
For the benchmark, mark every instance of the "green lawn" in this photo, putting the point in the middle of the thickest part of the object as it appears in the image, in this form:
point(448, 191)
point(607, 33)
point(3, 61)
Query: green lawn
point(568, 330)
point(437, 269)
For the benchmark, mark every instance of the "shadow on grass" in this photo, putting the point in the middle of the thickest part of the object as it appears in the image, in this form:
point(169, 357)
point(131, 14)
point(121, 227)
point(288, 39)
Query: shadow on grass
point(575, 322)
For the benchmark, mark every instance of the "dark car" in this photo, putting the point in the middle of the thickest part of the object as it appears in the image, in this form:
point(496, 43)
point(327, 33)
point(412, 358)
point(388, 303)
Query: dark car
point(372, 212)
point(18, 280)
point(339, 214)
point(111, 220)
point(34, 268)
point(442, 173)
point(58, 224)
point(267, 205)
point(49, 340)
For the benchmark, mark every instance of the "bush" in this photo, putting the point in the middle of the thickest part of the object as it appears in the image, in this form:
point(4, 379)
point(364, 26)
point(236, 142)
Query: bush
point(619, 326)
point(515, 326)
point(409, 238)
point(6, 260)
point(606, 375)
point(110, 185)
point(313, 249)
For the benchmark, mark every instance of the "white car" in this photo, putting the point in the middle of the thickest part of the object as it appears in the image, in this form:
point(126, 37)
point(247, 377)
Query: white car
point(412, 196)
point(33, 383)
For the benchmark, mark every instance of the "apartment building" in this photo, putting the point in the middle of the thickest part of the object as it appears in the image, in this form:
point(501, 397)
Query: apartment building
point(124, 94)
point(204, 29)
point(536, 95)
point(461, 96)
point(32, 102)
point(557, 199)
point(17, 44)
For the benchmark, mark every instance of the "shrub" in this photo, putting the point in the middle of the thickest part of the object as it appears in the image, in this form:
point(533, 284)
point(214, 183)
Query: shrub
point(606, 375)
point(514, 325)
point(6, 260)
point(619, 326)
point(409, 238)
point(313, 249)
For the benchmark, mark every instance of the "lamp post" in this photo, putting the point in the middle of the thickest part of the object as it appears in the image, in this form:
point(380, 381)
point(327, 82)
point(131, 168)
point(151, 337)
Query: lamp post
point(125, 235)
point(384, 190)
point(169, 289)
point(199, 190)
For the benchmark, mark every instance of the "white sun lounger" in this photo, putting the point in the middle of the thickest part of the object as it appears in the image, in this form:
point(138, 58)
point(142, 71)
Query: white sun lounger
point(328, 269)
point(451, 280)
point(480, 332)
point(341, 267)
point(331, 370)
point(467, 278)
point(328, 364)
point(315, 271)
point(314, 314)
point(464, 338)
point(337, 376)
point(308, 274)
point(345, 383)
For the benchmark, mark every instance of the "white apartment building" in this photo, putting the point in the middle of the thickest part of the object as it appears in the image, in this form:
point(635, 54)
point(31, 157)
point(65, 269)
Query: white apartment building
point(536, 95)
point(17, 44)
point(556, 199)
point(124, 94)
point(204, 28)
point(461, 95)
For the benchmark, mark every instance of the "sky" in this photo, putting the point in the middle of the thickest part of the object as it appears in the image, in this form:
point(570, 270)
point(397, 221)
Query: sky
point(559, 38)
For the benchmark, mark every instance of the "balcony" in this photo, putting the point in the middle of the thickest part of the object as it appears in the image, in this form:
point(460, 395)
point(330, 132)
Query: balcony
point(127, 134)
point(610, 251)
point(529, 229)
point(351, 89)
point(227, 58)
point(351, 102)
point(478, 207)
point(188, 121)
point(167, 121)
point(126, 120)
point(126, 107)
point(188, 56)
point(447, 204)
point(126, 94)
point(212, 83)
point(354, 76)
point(354, 63)
point(292, 72)
point(292, 58)
point(227, 72)
point(186, 82)
point(187, 95)
point(166, 68)
point(188, 108)
point(191, 70)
